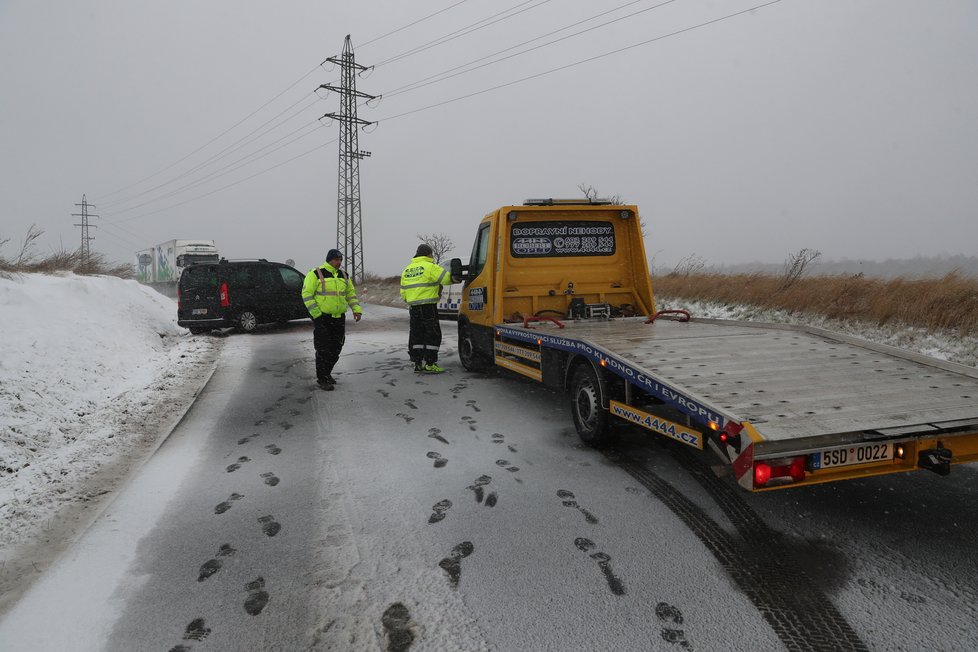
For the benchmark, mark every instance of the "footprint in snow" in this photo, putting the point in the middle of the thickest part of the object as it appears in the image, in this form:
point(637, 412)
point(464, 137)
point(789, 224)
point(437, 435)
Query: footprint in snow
point(440, 461)
point(222, 507)
point(257, 596)
point(477, 487)
point(671, 615)
point(505, 464)
point(269, 525)
point(453, 563)
point(237, 465)
point(604, 563)
point(435, 433)
point(438, 510)
point(568, 501)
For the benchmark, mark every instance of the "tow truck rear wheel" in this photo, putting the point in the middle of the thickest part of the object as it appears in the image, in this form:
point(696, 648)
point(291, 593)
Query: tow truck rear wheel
point(590, 418)
point(469, 356)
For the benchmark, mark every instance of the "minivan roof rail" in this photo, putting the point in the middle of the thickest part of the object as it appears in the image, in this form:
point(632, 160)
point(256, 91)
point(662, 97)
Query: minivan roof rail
point(243, 260)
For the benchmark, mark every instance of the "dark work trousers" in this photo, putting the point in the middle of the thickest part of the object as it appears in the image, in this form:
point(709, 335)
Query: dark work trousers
point(424, 338)
point(328, 337)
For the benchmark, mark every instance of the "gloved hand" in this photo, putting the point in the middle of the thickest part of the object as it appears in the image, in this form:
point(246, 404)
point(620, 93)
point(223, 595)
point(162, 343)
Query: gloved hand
point(356, 316)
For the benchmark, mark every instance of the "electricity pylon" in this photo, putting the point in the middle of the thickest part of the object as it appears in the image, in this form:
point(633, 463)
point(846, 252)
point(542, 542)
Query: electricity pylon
point(85, 238)
point(349, 227)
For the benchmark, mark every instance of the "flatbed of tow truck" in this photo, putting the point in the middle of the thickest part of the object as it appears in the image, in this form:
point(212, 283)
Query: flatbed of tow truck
point(797, 391)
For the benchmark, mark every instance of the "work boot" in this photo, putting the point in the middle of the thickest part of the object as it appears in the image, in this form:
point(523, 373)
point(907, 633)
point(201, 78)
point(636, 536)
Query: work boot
point(326, 384)
point(418, 367)
point(330, 379)
point(433, 368)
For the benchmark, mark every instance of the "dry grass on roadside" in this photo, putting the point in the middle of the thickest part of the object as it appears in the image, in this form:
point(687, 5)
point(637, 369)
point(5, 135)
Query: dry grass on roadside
point(26, 261)
point(948, 303)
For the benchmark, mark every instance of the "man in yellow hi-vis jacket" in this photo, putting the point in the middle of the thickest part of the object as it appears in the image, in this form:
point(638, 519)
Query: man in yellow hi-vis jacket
point(327, 293)
point(421, 284)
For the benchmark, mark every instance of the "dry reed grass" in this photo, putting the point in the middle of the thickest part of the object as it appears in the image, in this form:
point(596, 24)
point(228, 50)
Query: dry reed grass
point(947, 303)
point(26, 261)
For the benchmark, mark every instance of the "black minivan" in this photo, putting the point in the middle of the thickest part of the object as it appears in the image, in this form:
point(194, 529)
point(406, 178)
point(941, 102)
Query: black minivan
point(239, 293)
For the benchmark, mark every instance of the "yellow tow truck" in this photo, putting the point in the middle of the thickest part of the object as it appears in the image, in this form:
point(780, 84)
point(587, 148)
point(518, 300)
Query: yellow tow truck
point(559, 291)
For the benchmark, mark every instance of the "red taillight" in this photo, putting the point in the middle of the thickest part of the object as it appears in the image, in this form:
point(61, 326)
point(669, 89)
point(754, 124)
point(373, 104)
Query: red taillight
point(762, 473)
point(765, 472)
point(178, 298)
point(225, 299)
point(730, 435)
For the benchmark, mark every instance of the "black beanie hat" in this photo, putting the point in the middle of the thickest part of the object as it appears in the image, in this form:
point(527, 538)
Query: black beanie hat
point(333, 253)
point(424, 250)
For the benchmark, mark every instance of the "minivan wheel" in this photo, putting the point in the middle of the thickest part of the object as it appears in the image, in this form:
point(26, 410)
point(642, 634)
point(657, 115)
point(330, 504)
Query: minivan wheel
point(247, 321)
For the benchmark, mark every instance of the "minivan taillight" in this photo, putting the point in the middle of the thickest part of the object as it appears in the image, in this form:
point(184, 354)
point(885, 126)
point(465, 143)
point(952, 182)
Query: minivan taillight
point(225, 299)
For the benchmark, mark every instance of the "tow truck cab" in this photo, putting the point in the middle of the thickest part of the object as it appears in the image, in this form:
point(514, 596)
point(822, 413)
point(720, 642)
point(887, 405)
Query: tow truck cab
point(546, 259)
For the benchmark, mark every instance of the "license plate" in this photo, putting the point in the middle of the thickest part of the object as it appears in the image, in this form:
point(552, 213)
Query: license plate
point(199, 311)
point(849, 455)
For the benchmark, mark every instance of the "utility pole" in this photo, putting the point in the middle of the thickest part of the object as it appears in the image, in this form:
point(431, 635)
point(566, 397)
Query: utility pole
point(84, 215)
point(349, 228)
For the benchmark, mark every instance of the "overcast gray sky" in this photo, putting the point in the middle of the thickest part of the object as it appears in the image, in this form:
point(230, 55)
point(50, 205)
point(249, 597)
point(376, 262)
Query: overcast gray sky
point(847, 126)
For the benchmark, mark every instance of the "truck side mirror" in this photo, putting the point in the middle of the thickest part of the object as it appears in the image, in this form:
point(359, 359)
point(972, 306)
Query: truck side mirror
point(457, 270)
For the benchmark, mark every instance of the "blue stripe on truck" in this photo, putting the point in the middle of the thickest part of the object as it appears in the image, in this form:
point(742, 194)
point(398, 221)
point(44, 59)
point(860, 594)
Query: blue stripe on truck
point(621, 368)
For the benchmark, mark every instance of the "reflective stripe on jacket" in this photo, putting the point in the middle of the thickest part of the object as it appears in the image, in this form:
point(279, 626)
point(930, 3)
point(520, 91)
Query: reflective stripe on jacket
point(421, 281)
point(327, 291)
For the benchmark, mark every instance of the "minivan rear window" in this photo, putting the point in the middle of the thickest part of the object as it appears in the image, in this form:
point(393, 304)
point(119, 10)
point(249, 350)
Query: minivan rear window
point(199, 277)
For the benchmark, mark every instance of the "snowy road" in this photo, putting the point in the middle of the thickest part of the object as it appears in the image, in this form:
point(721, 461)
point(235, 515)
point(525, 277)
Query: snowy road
point(460, 512)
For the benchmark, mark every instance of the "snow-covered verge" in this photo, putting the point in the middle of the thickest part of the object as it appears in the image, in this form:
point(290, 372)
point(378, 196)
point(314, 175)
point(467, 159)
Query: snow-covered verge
point(385, 293)
point(94, 371)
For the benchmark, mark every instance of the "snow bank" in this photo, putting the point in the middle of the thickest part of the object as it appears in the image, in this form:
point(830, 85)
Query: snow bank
point(91, 369)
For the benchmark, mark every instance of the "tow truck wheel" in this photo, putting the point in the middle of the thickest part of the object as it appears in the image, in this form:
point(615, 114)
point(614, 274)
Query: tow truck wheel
point(471, 359)
point(247, 321)
point(590, 419)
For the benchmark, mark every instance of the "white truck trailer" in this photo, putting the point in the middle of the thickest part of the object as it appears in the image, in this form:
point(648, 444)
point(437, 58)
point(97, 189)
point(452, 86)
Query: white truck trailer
point(160, 266)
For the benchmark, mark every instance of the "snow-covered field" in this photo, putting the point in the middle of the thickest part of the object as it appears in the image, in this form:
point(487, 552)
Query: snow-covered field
point(94, 373)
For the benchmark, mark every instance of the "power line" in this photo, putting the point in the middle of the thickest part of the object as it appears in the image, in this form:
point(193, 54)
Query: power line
point(582, 61)
point(420, 20)
point(473, 27)
point(240, 181)
point(233, 147)
point(220, 135)
point(442, 76)
point(230, 167)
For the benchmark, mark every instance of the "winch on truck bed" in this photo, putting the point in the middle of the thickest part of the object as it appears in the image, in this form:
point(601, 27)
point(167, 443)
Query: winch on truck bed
point(559, 291)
